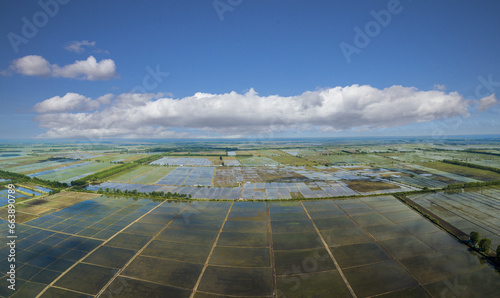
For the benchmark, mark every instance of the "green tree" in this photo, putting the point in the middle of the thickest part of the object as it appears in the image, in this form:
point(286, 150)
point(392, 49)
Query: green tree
point(474, 237)
point(498, 253)
point(485, 244)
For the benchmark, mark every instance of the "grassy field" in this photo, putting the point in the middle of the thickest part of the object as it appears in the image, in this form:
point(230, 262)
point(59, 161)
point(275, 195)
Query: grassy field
point(152, 176)
point(372, 159)
point(131, 174)
point(74, 172)
point(473, 173)
point(120, 157)
point(257, 161)
point(33, 208)
point(52, 167)
point(288, 159)
point(367, 186)
point(342, 159)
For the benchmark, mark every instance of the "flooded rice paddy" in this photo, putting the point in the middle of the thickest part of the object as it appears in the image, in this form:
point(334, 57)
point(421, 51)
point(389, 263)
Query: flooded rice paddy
point(125, 247)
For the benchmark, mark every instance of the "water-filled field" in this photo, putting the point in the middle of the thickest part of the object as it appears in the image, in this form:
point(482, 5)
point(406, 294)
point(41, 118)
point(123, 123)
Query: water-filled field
point(475, 210)
point(70, 174)
point(121, 247)
point(182, 161)
point(254, 191)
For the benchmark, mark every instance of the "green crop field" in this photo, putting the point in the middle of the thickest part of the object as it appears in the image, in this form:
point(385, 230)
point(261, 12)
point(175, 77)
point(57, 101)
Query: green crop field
point(155, 174)
point(477, 174)
point(131, 174)
point(64, 175)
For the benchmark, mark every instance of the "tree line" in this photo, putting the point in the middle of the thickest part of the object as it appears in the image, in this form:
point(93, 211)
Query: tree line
point(471, 165)
point(16, 177)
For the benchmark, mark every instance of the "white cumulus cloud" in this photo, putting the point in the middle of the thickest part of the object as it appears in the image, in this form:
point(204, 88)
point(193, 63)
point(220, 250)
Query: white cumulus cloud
point(71, 102)
point(487, 102)
point(234, 114)
point(79, 46)
point(439, 87)
point(90, 69)
point(31, 65)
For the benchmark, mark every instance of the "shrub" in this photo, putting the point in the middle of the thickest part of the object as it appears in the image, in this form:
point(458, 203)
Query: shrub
point(485, 244)
point(474, 237)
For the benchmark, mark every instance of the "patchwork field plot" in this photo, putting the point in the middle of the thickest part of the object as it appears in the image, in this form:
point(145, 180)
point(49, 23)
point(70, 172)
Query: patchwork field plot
point(236, 176)
point(469, 211)
point(369, 186)
point(9, 162)
point(343, 159)
point(286, 158)
point(472, 173)
point(412, 157)
point(120, 157)
point(189, 176)
point(418, 180)
point(150, 177)
point(259, 191)
point(182, 161)
point(33, 167)
point(257, 161)
point(370, 246)
point(452, 176)
point(74, 173)
point(135, 173)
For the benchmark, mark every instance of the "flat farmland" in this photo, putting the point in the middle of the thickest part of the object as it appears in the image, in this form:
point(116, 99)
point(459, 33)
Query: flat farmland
point(153, 175)
point(450, 176)
point(39, 165)
point(19, 161)
point(184, 161)
point(188, 176)
point(373, 159)
point(475, 210)
point(368, 186)
point(343, 159)
point(285, 158)
point(69, 175)
point(55, 167)
point(132, 174)
point(197, 161)
point(257, 161)
point(477, 174)
point(409, 157)
point(365, 247)
point(120, 157)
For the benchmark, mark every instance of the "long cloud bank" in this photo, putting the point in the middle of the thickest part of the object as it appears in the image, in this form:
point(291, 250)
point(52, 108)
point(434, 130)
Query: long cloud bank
point(238, 115)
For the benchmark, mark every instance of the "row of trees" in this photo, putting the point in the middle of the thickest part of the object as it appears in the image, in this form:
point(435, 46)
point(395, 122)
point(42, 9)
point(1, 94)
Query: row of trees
point(103, 174)
point(483, 244)
point(16, 177)
point(162, 194)
point(471, 184)
point(471, 165)
point(481, 152)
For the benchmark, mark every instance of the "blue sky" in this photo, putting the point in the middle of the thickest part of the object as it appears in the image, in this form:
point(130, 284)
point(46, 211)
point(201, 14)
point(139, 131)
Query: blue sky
point(281, 59)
